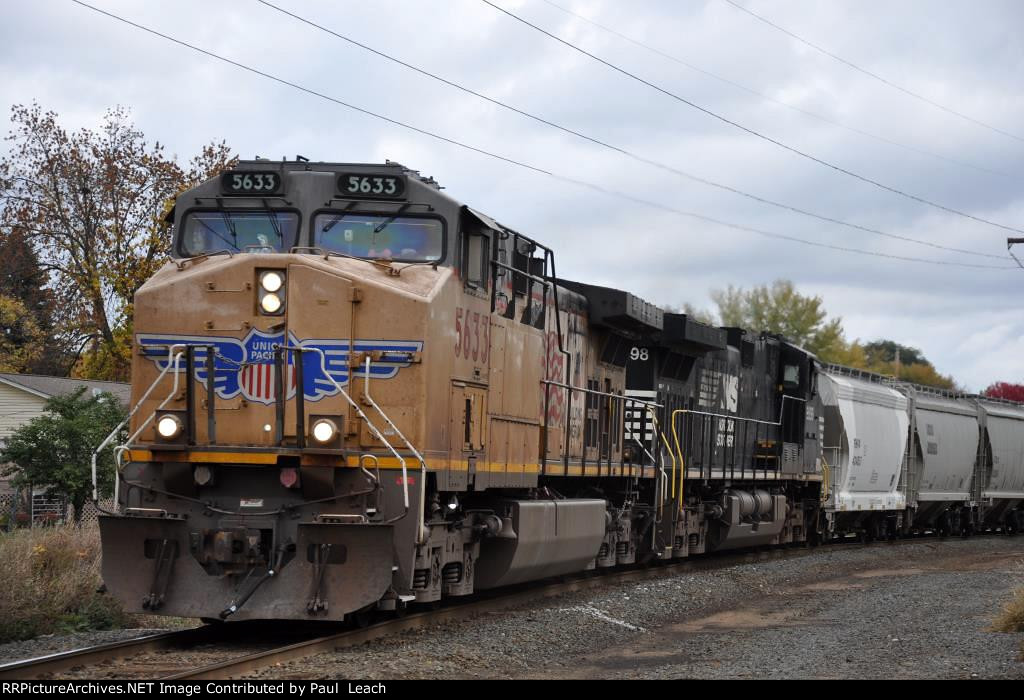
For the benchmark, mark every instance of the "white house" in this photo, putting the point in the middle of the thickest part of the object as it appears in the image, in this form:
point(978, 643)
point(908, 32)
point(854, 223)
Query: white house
point(23, 396)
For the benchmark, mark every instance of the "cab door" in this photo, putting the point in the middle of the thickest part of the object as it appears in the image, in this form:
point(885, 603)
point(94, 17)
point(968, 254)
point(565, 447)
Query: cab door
point(467, 422)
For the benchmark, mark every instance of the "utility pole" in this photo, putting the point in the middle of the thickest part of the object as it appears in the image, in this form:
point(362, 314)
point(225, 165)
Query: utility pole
point(1010, 242)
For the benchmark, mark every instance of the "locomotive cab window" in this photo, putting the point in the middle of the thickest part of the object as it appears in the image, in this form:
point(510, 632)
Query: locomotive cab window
point(791, 375)
point(379, 236)
point(237, 231)
point(475, 246)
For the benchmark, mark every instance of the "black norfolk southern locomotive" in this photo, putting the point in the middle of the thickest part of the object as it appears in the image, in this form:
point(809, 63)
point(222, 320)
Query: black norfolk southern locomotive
point(732, 423)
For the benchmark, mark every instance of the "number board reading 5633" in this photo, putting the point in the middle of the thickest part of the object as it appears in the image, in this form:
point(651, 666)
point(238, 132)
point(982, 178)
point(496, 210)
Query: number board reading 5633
point(371, 186)
point(250, 182)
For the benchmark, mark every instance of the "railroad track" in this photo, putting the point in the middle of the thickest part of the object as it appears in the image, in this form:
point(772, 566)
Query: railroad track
point(177, 651)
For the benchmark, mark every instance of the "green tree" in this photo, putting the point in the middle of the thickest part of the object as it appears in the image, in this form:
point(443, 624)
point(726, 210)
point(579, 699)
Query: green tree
point(881, 356)
point(779, 308)
point(55, 449)
point(886, 351)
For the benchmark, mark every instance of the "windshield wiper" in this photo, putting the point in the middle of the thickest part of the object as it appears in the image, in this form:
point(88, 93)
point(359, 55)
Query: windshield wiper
point(272, 215)
point(384, 224)
point(341, 215)
point(231, 226)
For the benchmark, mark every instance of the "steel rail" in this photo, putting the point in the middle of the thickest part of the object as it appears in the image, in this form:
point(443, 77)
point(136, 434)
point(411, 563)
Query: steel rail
point(65, 660)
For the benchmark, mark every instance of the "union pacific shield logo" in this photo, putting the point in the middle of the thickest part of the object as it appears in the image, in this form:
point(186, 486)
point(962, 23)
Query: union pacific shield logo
point(246, 367)
point(258, 377)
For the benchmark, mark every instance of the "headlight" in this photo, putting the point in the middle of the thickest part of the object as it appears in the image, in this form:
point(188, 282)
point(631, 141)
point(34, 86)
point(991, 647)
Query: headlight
point(169, 427)
point(271, 291)
point(324, 430)
point(271, 303)
point(272, 281)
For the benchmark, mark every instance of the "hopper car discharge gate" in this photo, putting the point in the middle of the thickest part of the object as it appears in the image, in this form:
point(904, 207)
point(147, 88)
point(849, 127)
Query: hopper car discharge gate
point(244, 545)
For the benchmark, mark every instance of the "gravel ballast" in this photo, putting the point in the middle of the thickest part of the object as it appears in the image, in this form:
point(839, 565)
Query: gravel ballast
point(912, 610)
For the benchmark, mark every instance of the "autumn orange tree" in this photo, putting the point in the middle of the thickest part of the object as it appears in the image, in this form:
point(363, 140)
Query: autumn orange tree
point(93, 204)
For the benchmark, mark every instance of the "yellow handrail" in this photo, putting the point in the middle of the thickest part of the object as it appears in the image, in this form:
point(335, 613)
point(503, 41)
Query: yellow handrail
point(682, 463)
point(654, 419)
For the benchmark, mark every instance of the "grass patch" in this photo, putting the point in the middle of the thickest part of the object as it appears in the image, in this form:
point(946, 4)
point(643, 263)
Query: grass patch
point(1011, 619)
point(48, 583)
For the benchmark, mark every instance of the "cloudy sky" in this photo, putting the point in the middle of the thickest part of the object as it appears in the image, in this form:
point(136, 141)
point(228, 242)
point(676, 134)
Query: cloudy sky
point(967, 55)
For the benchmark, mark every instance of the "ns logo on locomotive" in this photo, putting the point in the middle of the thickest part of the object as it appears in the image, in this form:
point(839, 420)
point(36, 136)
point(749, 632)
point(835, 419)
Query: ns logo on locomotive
point(352, 392)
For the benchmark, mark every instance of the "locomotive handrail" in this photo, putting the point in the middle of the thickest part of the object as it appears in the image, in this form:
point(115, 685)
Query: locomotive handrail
point(595, 392)
point(827, 473)
point(664, 476)
point(833, 471)
point(423, 464)
point(118, 466)
point(743, 418)
point(682, 462)
point(120, 426)
point(369, 424)
point(618, 397)
point(726, 416)
point(180, 264)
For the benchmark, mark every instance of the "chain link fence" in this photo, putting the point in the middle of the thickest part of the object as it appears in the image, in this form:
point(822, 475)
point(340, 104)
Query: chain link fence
point(17, 509)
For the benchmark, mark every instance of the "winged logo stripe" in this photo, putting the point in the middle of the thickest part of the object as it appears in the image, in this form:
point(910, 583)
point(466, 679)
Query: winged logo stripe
point(245, 366)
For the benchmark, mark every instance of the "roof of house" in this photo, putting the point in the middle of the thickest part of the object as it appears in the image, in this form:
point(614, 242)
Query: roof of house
point(47, 387)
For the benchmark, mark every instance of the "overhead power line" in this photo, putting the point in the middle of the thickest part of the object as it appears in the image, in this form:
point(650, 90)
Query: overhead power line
point(752, 132)
point(773, 100)
point(518, 163)
point(624, 151)
point(877, 77)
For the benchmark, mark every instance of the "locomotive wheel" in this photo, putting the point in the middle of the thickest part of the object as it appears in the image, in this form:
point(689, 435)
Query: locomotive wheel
point(362, 618)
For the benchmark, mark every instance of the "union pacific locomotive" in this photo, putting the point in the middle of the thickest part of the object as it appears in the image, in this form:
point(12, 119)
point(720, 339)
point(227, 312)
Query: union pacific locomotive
point(352, 392)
